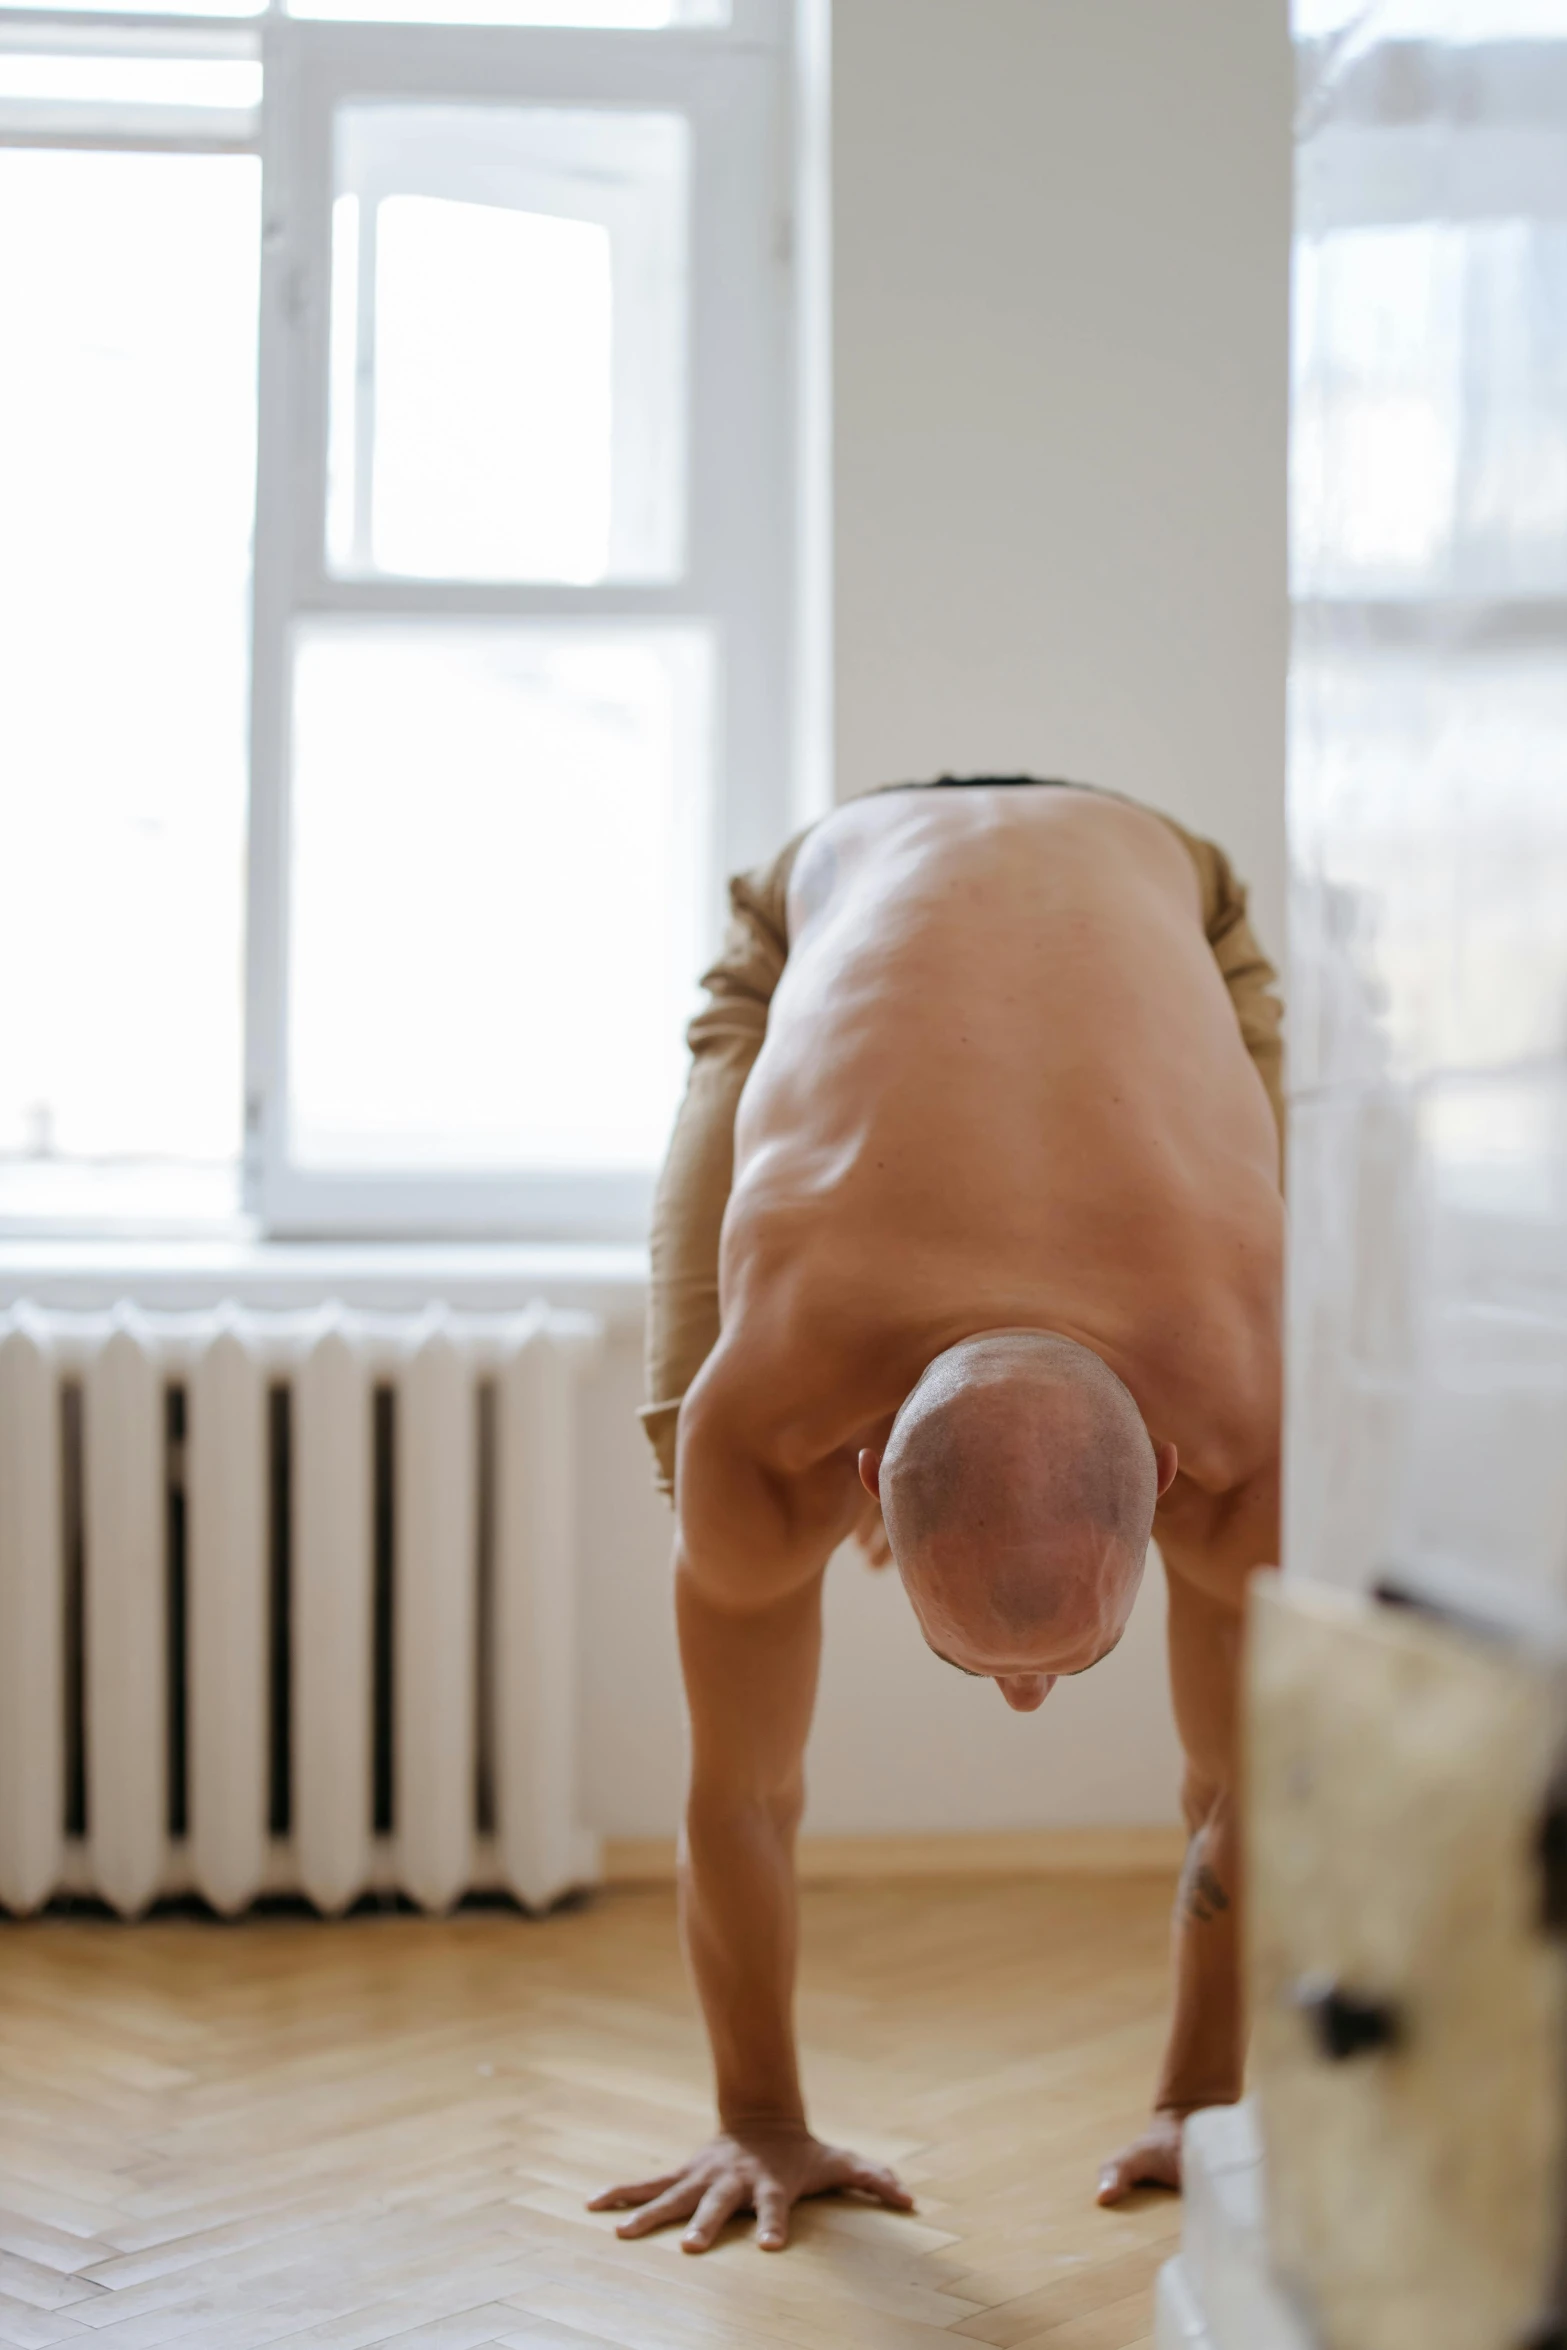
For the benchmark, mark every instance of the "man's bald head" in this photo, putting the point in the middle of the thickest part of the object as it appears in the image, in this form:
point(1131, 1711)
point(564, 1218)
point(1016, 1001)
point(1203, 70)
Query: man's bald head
point(1018, 1488)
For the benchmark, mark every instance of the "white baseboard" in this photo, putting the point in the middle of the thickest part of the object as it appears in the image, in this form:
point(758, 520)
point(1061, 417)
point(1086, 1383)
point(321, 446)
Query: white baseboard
point(1008, 1852)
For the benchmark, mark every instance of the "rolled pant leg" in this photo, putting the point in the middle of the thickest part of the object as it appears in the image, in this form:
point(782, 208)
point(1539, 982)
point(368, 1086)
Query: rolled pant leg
point(1246, 970)
point(693, 1189)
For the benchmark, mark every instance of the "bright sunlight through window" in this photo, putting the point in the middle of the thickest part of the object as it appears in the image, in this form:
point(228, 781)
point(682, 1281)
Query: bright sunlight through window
point(127, 461)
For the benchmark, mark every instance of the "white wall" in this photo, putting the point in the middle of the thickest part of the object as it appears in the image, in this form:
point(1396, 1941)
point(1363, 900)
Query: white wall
point(1060, 323)
point(1060, 263)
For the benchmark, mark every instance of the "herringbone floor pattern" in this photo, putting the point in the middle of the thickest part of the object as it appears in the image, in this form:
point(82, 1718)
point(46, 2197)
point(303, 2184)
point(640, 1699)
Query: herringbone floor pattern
point(381, 2132)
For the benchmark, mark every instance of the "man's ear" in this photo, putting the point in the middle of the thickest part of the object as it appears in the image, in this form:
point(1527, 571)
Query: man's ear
point(870, 1471)
point(1166, 1461)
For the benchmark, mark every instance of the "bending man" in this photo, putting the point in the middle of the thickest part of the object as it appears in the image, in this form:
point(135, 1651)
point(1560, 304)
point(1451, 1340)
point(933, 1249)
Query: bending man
point(973, 1207)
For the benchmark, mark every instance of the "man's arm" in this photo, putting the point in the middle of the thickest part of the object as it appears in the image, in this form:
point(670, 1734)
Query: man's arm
point(750, 1690)
point(1210, 1545)
point(1205, 2054)
point(749, 1647)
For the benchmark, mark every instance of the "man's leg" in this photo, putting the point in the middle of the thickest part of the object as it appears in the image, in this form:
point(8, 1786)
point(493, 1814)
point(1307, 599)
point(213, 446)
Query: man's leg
point(693, 1189)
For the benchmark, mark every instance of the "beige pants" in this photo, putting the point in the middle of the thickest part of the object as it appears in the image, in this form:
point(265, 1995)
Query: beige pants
point(725, 1038)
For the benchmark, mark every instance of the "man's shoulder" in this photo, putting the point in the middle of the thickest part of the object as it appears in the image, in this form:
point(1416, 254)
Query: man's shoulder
point(761, 1501)
point(768, 1395)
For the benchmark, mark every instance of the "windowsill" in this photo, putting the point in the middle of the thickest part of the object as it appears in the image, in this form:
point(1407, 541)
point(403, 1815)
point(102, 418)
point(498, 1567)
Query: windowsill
point(607, 1279)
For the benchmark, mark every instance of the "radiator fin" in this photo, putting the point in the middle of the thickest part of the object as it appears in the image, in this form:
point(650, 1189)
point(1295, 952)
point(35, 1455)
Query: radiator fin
point(124, 1532)
point(227, 1619)
point(436, 1572)
point(32, 1624)
point(333, 1623)
point(535, 1648)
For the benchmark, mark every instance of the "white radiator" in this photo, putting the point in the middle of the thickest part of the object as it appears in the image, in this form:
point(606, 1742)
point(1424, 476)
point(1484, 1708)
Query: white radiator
point(287, 1605)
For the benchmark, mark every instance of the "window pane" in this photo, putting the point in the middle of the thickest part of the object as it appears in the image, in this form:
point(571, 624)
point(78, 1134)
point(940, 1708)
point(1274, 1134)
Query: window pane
point(631, 15)
point(496, 839)
point(1430, 432)
point(508, 344)
point(98, 95)
point(127, 463)
point(517, 485)
point(202, 82)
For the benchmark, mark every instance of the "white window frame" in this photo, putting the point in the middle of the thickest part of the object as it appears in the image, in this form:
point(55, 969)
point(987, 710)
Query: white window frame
point(756, 532)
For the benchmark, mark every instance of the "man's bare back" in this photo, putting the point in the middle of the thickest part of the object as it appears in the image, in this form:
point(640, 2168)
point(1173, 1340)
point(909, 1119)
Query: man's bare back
point(1002, 1108)
point(1002, 1084)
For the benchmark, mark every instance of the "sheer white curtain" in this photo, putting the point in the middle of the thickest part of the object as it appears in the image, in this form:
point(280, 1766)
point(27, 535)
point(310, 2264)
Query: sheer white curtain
point(1428, 792)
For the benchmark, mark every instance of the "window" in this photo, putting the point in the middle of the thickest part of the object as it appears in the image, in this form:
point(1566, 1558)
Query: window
point(398, 568)
point(127, 479)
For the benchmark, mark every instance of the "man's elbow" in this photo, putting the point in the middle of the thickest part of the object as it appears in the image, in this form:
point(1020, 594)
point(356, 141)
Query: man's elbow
point(721, 1819)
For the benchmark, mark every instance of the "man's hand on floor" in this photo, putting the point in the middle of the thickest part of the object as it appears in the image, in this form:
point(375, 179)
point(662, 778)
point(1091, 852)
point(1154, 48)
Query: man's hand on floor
point(1153, 2160)
point(766, 2171)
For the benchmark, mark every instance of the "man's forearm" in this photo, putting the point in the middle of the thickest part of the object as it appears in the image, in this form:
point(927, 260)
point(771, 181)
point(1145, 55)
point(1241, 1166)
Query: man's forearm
point(1205, 2058)
point(1210, 1547)
point(750, 1675)
point(739, 1921)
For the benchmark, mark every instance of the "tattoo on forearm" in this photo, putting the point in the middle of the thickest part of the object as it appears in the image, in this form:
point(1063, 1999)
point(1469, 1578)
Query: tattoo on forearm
point(1203, 1898)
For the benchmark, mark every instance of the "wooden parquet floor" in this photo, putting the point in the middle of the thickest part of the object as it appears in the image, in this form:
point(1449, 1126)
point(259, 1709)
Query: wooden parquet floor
point(382, 2132)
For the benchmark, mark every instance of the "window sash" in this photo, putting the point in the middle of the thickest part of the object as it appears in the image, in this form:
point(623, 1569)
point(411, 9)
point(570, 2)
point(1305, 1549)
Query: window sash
point(109, 123)
point(739, 574)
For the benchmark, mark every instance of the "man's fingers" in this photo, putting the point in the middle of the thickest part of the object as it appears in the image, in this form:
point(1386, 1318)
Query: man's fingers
point(1113, 2182)
point(868, 2178)
point(717, 2207)
point(620, 2198)
point(1140, 2166)
point(708, 2202)
point(873, 2179)
point(677, 2203)
point(772, 2218)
